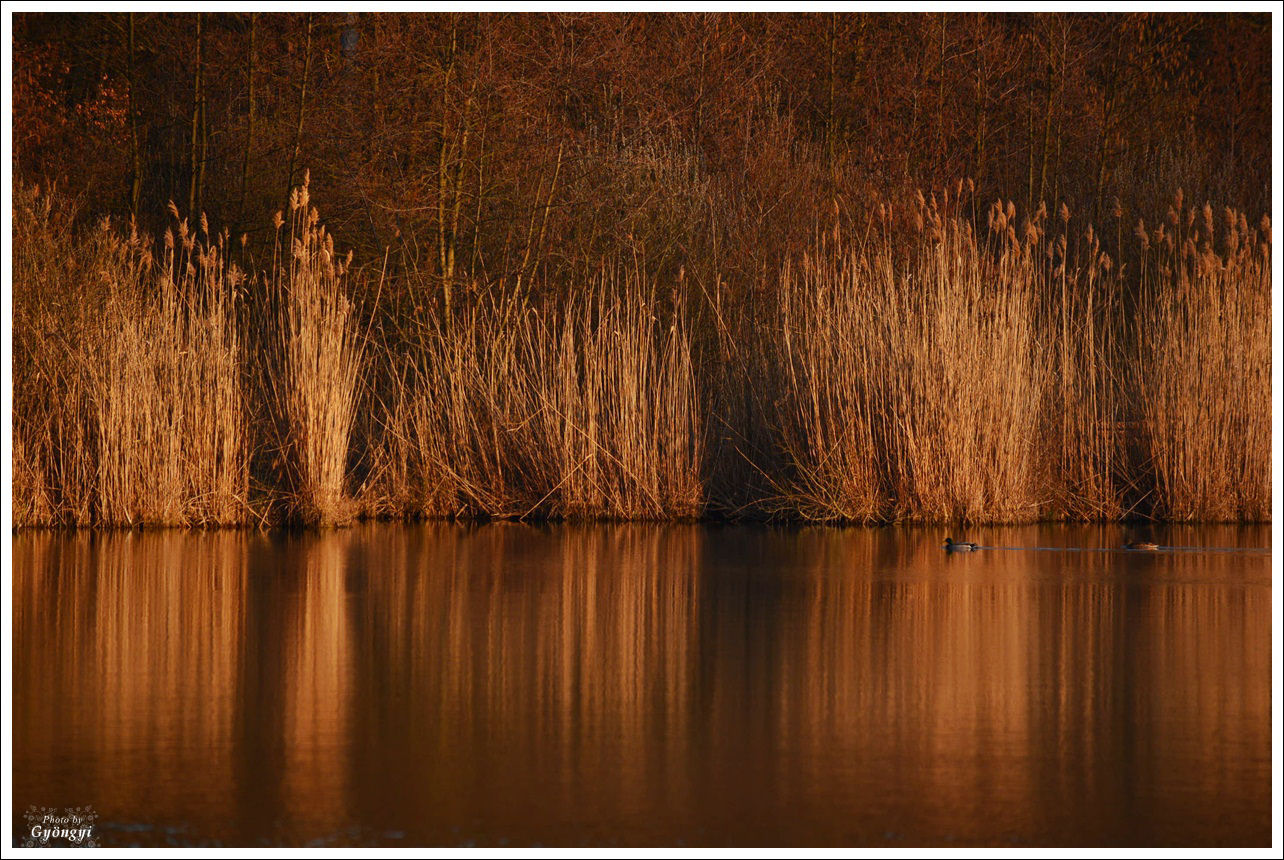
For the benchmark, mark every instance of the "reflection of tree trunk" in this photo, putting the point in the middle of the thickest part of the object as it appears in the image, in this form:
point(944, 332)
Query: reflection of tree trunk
point(195, 176)
point(135, 157)
point(303, 100)
point(249, 121)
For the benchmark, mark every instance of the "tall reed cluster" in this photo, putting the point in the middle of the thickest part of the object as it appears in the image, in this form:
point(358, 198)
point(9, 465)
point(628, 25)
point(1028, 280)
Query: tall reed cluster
point(1202, 366)
point(312, 357)
point(1024, 373)
point(137, 401)
point(920, 361)
point(1090, 414)
point(166, 382)
point(129, 403)
point(910, 386)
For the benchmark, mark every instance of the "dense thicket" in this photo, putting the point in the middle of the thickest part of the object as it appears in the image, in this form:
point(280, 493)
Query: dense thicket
point(483, 145)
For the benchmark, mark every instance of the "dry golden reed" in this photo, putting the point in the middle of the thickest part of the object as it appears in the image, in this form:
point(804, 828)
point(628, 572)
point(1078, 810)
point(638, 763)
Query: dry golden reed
point(1202, 371)
point(132, 410)
point(313, 359)
point(587, 410)
point(912, 364)
point(911, 385)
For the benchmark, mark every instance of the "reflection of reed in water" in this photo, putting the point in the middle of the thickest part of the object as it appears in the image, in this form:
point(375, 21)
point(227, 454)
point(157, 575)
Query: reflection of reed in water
point(979, 687)
point(536, 665)
point(317, 694)
point(646, 684)
point(182, 689)
point(128, 649)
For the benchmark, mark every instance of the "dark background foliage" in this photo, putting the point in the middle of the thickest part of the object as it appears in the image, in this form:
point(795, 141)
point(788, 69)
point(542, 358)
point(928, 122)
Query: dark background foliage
point(475, 146)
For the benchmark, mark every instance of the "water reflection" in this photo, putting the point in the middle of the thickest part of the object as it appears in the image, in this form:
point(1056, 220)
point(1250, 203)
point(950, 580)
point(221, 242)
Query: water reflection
point(446, 684)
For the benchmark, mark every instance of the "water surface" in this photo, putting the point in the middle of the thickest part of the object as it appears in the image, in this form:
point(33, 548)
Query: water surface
point(646, 685)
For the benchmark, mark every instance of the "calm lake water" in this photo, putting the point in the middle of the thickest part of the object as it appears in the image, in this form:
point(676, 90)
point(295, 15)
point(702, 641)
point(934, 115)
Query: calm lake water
point(646, 685)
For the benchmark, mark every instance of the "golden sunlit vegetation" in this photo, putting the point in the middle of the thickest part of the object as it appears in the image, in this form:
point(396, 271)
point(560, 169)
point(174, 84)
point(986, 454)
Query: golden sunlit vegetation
point(640, 267)
point(922, 372)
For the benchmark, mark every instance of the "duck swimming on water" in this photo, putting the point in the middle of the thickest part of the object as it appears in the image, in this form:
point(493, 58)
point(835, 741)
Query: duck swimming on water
point(961, 546)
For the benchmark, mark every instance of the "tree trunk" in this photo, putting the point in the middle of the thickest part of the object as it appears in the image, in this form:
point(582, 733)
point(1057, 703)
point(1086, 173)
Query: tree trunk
point(135, 156)
point(249, 121)
point(303, 101)
point(1047, 127)
point(443, 179)
point(831, 132)
point(193, 190)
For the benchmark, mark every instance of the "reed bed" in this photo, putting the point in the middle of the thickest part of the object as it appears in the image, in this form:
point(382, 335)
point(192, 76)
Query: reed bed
point(52, 464)
point(586, 410)
point(313, 367)
point(1086, 434)
point(965, 380)
point(167, 388)
point(831, 393)
point(911, 385)
point(912, 364)
point(1202, 366)
point(129, 406)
